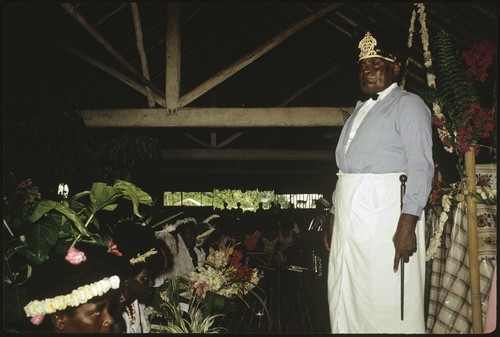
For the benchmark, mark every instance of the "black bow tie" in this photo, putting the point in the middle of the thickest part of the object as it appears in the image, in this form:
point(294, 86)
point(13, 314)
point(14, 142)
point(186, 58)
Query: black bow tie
point(374, 97)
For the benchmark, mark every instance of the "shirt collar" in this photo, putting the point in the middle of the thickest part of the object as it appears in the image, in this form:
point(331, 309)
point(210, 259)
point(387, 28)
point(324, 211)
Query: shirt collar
point(387, 90)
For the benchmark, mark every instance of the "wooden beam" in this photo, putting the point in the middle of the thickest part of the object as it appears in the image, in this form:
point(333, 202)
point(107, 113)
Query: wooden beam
point(262, 170)
point(248, 154)
point(134, 84)
point(173, 58)
point(140, 49)
point(106, 45)
point(218, 117)
point(196, 140)
point(229, 139)
point(224, 74)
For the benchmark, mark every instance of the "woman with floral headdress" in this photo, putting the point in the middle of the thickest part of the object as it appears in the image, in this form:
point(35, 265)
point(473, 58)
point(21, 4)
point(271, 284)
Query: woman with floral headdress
point(74, 292)
point(182, 263)
point(143, 258)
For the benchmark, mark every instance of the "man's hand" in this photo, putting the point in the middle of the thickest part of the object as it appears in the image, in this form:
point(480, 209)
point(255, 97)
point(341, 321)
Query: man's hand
point(405, 239)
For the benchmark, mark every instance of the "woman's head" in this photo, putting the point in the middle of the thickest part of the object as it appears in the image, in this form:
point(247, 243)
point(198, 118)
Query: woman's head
point(188, 233)
point(74, 292)
point(144, 257)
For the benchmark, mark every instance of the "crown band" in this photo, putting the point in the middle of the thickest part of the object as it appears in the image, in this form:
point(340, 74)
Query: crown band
point(367, 49)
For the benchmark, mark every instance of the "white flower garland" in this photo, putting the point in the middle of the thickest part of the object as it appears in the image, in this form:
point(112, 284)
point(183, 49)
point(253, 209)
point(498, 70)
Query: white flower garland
point(443, 133)
point(78, 296)
point(435, 242)
point(431, 78)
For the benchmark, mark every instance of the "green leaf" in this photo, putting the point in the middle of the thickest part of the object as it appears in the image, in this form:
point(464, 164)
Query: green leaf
point(41, 237)
point(133, 193)
point(101, 195)
point(41, 209)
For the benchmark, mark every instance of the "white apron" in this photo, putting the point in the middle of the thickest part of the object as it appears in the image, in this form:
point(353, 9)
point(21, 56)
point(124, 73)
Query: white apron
point(363, 290)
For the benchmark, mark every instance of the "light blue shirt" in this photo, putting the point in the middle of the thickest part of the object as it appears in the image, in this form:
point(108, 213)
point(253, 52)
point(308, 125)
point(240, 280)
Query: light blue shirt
point(395, 136)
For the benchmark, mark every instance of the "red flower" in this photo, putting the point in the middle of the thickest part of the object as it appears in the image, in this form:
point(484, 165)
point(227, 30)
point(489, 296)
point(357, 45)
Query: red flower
point(236, 258)
point(113, 248)
point(479, 58)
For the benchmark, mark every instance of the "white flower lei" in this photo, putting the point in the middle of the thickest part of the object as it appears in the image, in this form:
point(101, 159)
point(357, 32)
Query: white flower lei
point(431, 77)
point(78, 296)
point(435, 242)
point(443, 133)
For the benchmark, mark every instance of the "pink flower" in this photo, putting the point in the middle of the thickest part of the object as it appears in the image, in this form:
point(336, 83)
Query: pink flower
point(74, 256)
point(37, 320)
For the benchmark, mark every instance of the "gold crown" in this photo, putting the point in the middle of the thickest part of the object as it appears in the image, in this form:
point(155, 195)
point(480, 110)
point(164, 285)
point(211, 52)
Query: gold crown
point(367, 49)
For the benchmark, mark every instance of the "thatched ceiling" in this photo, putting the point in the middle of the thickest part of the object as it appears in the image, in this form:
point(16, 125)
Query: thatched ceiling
point(234, 58)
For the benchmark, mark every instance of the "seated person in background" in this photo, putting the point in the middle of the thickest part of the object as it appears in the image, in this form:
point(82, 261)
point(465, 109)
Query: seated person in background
point(253, 238)
point(144, 257)
point(59, 304)
point(270, 243)
point(286, 243)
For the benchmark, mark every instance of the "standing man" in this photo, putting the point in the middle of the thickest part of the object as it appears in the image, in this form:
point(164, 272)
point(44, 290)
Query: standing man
point(374, 226)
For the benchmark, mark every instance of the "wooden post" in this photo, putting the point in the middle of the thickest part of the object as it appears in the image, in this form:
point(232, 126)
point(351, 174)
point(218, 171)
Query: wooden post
point(472, 249)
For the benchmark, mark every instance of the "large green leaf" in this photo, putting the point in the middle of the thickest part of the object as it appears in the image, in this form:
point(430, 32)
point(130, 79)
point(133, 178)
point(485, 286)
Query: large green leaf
point(133, 193)
point(102, 195)
point(42, 208)
point(40, 238)
point(46, 206)
point(79, 195)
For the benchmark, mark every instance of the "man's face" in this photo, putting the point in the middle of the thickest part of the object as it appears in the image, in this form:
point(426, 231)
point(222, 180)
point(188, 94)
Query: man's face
point(88, 317)
point(376, 74)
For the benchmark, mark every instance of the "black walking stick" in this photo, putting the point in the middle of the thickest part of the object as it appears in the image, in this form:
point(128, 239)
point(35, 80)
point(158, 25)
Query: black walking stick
point(402, 179)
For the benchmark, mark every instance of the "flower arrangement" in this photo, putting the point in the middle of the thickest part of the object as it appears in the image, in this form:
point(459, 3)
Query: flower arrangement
point(460, 119)
point(223, 273)
point(168, 317)
point(458, 114)
point(221, 276)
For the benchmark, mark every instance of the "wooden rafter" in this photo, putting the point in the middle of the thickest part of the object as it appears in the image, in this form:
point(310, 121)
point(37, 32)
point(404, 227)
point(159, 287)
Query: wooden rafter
point(140, 49)
point(139, 87)
point(106, 45)
point(248, 154)
point(173, 58)
point(218, 117)
point(224, 74)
